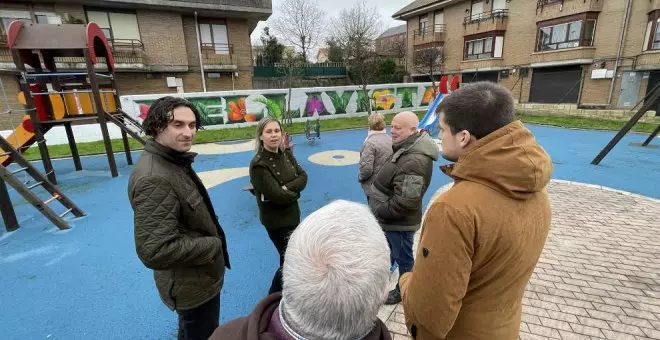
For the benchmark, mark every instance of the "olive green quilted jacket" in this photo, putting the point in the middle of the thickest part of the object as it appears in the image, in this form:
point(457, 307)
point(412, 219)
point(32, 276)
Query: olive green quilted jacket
point(177, 233)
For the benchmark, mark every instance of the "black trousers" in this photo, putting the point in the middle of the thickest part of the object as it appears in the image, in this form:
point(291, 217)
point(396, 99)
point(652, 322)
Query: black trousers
point(280, 238)
point(200, 322)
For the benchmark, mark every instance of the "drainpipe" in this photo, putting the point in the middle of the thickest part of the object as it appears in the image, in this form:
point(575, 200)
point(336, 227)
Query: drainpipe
point(626, 16)
point(199, 52)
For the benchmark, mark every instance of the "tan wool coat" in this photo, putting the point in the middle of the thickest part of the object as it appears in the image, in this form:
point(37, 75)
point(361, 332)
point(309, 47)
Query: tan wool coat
point(480, 241)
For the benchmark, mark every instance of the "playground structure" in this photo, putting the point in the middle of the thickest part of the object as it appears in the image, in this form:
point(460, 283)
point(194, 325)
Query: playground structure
point(312, 134)
point(51, 98)
point(429, 123)
point(652, 99)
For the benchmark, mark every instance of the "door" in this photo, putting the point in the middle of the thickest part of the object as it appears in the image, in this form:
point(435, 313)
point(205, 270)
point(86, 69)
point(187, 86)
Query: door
point(439, 21)
point(654, 80)
point(556, 85)
point(630, 82)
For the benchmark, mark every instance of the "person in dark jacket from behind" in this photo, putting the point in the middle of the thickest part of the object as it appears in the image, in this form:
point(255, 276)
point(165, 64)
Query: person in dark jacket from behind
point(336, 278)
point(277, 179)
point(177, 233)
point(398, 189)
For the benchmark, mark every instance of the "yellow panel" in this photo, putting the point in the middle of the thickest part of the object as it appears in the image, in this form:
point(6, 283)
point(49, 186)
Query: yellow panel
point(109, 104)
point(18, 138)
point(58, 106)
point(78, 103)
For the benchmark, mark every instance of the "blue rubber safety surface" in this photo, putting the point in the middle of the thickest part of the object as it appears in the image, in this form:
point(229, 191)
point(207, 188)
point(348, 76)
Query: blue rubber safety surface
point(87, 282)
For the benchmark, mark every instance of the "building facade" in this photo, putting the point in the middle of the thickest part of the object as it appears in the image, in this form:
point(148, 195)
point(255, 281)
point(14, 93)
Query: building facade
point(393, 43)
point(594, 53)
point(154, 42)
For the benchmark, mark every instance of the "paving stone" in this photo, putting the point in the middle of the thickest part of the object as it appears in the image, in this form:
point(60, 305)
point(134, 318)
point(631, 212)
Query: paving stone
point(598, 276)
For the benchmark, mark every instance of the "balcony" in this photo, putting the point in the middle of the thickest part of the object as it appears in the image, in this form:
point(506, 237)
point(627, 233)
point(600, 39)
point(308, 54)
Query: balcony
point(551, 9)
point(218, 57)
point(490, 64)
point(577, 55)
point(486, 22)
point(128, 54)
point(430, 34)
point(648, 60)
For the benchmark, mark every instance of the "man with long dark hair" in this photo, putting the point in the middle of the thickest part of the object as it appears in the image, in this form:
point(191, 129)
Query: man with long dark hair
point(177, 233)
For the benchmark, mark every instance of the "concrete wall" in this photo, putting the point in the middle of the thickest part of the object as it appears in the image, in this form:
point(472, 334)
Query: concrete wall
point(235, 107)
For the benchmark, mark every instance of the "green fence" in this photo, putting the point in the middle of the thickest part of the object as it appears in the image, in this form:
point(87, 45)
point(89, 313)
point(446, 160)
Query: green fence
point(330, 70)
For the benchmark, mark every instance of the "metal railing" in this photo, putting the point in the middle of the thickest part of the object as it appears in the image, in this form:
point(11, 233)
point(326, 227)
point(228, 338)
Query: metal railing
point(127, 51)
point(429, 30)
point(217, 54)
point(483, 16)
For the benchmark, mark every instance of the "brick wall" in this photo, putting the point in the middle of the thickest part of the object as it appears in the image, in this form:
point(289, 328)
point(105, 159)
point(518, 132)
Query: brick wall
point(11, 89)
point(137, 83)
point(190, 34)
point(163, 38)
point(239, 36)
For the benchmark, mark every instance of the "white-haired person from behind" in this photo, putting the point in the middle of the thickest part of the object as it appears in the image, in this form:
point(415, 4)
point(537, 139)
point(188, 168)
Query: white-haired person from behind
point(336, 277)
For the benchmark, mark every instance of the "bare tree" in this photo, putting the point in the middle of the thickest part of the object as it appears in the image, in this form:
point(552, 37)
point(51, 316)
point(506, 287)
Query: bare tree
point(429, 60)
point(299, 23)
point(399, 49)
point(292, 67)
point(355, 31)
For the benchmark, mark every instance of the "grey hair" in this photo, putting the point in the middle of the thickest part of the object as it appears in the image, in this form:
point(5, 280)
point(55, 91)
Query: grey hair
point(336, 273)
point(258, 143)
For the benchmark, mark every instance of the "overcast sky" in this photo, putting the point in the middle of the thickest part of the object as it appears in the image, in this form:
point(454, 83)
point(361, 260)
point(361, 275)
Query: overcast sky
point(333, 7)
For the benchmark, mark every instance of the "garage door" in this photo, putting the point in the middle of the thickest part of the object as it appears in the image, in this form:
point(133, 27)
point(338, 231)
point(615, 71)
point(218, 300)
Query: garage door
point(556, 85)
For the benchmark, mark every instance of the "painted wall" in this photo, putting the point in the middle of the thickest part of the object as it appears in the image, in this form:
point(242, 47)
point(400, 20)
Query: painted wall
point(226, 108)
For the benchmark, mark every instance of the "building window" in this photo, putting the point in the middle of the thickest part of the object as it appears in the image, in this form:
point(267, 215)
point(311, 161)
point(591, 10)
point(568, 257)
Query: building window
point(484, 46)
point(652, 35)
point(213, 36)
point(48, 18)
point(8, 17)
point(570, 32)
point(118, 27)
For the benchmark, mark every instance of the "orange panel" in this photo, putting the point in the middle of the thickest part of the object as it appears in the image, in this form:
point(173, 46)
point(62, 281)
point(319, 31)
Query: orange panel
point(18, 139)
point(78, 103)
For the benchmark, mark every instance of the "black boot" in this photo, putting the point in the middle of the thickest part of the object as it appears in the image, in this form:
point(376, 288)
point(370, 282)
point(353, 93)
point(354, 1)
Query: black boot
point(393, 297)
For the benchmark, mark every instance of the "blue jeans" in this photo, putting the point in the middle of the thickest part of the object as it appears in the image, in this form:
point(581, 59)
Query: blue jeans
point(401, 250)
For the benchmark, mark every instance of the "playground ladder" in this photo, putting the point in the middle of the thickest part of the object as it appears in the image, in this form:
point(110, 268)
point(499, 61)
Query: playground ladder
point(41, 180)
point(123, 120)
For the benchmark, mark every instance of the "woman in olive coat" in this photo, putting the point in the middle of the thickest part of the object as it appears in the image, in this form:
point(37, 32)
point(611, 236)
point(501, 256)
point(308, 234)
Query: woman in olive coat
point(277, 179)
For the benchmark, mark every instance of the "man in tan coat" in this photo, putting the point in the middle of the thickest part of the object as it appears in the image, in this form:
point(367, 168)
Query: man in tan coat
point(481, 239)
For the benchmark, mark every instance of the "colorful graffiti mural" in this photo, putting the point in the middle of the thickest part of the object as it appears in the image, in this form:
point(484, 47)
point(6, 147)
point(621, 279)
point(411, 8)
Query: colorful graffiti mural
point(233, 107)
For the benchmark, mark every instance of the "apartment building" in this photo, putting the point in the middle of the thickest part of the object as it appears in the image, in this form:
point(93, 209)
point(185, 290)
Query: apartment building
point(392, 42)
point(595, 53)
point(154, 42)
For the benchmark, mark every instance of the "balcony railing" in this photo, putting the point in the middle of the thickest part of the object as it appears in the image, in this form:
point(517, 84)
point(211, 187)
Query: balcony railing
point(428, 34)
point(127, 51)
point(217, 54)
point(429, 30)
point(485, 16)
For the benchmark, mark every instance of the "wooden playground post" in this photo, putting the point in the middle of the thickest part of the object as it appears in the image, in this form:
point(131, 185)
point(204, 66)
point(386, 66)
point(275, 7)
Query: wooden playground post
point(100, 110)
point(124, 135)
point(649, 101)
point(6, 209)
point(34, 117)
